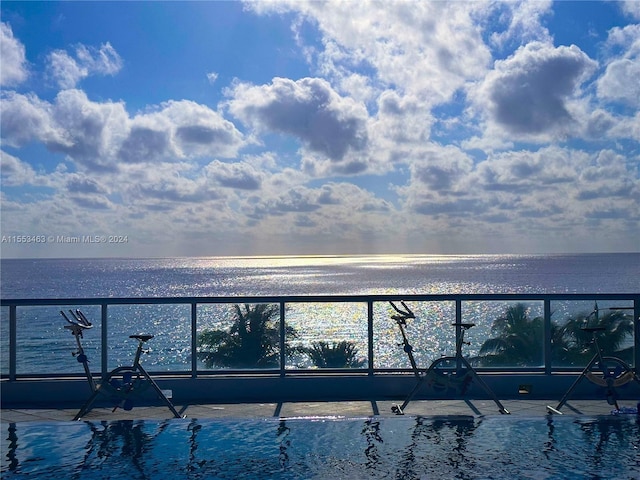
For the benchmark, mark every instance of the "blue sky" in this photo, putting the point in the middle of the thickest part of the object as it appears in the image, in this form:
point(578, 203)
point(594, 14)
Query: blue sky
point(293, 127)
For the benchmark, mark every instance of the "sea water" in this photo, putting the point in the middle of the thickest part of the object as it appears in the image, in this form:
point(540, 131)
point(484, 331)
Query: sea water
point(320, 275)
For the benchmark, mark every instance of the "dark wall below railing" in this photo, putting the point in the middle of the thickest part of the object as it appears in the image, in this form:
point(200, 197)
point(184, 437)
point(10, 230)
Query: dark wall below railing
point(71, 393)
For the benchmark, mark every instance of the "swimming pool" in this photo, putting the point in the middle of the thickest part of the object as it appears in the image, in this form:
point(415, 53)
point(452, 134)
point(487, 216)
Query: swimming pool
point(499, 447)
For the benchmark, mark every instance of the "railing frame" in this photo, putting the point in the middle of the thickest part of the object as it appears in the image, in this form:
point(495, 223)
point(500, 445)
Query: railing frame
point(369, 300)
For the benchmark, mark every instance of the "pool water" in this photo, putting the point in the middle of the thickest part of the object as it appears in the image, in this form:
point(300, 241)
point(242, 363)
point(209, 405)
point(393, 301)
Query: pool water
point(497, 447)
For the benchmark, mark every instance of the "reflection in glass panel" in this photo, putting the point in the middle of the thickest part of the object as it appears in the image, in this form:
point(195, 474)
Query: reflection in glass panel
point(327, 335)
point(168, 350)
point(506, 334)
point(572, 346)
point(238, 336)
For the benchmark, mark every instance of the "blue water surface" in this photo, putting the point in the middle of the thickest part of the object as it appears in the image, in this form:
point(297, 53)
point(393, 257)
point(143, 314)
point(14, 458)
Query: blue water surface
point(500, 447)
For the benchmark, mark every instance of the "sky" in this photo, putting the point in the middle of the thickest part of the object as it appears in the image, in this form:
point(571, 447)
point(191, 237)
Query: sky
point(152, 129)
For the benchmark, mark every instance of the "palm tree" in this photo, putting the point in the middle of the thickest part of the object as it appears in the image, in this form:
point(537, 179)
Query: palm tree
point(253, 341)
point(337, 355)
point(578, 343)
point(518, 340)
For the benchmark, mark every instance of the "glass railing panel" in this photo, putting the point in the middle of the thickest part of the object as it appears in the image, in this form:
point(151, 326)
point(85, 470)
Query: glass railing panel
point(168, 350)
point(572, 346)
point(238, 336)
point(505, 334)
point(44, 346)
point(327, 335)
point(429, 333)
point(4, 340)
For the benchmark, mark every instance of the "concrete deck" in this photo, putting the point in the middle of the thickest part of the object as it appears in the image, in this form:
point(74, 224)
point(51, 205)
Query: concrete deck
point(347, 409)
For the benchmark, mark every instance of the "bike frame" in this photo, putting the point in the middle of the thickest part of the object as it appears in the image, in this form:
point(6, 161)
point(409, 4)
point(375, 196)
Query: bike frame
point(598, 359)
point(403, 314)
point(77, 327)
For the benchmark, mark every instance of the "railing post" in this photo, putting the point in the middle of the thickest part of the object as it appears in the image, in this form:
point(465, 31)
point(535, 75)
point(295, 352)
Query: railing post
point(458, 331)
point(636, 336)
point(370, 336)
point(547, 337)
point(283, 343)
point(105, 340)
point(194, 340)
point(13, 342)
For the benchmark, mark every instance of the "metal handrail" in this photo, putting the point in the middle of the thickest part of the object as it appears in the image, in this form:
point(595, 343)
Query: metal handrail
point(459, 299)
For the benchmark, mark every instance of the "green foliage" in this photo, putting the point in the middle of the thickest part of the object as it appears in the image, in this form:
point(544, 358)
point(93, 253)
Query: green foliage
point(573, 346)
point(518, 340)
point(253, 341)
point(337, 355)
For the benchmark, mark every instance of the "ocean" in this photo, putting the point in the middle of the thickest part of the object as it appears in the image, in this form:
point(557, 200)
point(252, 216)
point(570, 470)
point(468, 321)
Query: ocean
point(44, 345)
point(319, 275)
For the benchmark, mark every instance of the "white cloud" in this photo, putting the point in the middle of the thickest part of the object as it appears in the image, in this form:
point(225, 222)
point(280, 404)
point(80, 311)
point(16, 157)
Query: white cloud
point(90, 130)
point(631, 8)
point(309, 109)
point(523, 21)
point(180, 129)
point(620, 80)
point(528, 94)
point(212, 77)
point(14, 171)
point(428, 49)
point(530, 194)
point(237, 175)
point(68, 71)
point(65, 70)
point(440, 169)
point(25, 118)
point(14, 69)
point(101, 134)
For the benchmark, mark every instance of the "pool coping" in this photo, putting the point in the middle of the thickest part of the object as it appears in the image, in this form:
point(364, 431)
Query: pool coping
point(339, 409)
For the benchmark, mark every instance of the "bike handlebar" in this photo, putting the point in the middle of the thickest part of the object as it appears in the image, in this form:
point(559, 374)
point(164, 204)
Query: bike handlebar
point(79, 323)
point(403, 315)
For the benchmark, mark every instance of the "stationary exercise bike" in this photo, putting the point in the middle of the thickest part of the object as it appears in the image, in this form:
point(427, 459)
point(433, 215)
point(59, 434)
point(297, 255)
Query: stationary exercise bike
point(444, 372)
point(605, 371)
point(123, 385)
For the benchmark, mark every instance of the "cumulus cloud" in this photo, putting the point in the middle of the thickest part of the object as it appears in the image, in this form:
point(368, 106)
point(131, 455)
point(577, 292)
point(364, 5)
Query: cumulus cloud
point(89, 131)
point(81, 184)
point(14, 63)
point(25, 118)
point(528, 93)
point(308, 109)
point(239, 175)
point(68, 70)
point(441, 168)
point(101, 134)
point(14, 171)
point(180, 129)
point(327, 210)
point(523, 21)
point(620, 80)
point(520, 171)
point(631, 8)
point(428, 49)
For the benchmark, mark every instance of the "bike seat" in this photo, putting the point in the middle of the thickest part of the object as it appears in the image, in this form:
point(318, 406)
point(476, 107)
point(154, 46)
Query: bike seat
point(142, 338)
point(593, 329)
point(464, 325)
